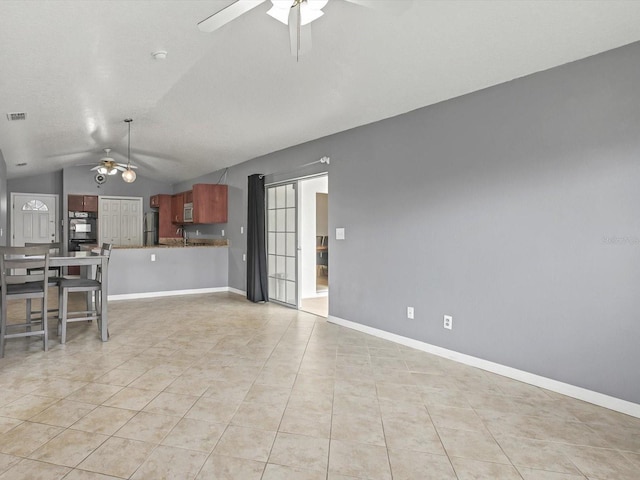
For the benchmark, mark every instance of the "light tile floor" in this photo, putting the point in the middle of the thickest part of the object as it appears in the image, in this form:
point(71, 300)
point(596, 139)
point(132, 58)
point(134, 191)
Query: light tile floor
point(214, 387)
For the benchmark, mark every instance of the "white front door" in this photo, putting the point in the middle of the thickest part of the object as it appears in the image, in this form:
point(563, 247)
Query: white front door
point(34, 218)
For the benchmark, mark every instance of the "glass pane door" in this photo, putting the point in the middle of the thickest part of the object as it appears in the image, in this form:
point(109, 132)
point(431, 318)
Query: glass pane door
point(282, 243)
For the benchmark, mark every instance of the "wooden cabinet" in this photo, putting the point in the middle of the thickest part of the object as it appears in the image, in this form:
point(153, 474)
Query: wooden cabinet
point(82, 203)
point(166, 228)
point(209, 203)
point(177, 208)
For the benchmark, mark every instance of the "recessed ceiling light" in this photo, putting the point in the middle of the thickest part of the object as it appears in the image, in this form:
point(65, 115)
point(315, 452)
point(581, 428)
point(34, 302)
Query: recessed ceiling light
point(16, 116)
point(23, 164)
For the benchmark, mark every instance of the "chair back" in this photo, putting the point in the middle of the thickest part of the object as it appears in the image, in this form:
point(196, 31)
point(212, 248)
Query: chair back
point(105, 251)
point(15, 259)
point(54, 247)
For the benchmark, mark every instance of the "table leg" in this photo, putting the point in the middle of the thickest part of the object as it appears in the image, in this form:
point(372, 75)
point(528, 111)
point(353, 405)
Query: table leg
point(104, 324)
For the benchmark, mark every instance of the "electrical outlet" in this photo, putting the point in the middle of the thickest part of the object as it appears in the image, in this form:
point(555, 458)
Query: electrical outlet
point(410, 312)
point(153, 257)
point(197, 233)
point(448, 322)
point(241, 230)
point(244, 257)
point(223, 232)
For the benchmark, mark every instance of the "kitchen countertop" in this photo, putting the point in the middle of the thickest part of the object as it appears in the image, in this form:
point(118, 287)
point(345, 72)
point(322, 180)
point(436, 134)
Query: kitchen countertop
point(178, 243)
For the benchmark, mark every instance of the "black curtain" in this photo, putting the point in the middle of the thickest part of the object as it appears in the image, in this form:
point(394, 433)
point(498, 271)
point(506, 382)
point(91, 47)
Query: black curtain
point(256, 242)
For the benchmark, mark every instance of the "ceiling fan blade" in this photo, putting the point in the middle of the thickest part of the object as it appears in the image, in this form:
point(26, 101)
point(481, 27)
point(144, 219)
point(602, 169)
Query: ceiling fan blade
point(227, 14)
point(96, 167)
point(124, 165)
point(389, 6)
point(299, 35)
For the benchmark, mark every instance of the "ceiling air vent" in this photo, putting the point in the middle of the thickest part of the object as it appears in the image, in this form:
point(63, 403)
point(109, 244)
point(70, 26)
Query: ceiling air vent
point(16, 116)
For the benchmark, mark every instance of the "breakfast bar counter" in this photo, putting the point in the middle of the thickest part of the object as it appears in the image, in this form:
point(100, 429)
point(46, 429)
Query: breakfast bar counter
point(156, 270)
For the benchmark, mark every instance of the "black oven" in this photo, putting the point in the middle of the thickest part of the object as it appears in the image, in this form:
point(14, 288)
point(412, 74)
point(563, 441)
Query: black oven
point(82, 230)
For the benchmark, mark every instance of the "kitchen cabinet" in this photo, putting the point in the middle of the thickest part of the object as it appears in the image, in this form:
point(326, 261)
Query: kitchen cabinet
point(166, 228)
point(177, 208)
point(82, 203)
point(209, 203)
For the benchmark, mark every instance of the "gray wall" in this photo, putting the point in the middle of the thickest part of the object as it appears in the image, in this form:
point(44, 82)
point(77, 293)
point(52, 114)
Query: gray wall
point(80, 180)
point(3, 200)
point(515, 209)
point(50, 183)
point(132, 271)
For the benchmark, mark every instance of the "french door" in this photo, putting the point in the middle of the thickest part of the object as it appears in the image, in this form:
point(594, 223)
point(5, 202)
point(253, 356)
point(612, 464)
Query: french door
point(282, 243)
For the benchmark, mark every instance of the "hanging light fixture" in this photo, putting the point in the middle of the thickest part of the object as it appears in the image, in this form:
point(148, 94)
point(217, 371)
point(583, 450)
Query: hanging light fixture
point(128, 175)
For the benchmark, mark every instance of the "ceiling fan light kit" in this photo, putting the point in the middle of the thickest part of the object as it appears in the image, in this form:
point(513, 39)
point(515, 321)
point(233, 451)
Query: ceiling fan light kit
point(108, 166)
point(294, 13)
point(129, 176)
point(310, 10)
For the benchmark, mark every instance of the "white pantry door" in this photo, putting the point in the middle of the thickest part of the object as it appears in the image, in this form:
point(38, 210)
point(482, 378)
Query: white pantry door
point(34, 218)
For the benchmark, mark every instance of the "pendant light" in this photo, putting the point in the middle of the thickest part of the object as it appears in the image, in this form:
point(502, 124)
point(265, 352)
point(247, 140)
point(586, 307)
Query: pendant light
point(129, 175)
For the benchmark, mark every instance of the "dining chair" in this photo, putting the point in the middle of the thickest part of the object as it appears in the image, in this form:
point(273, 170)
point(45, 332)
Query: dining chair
point(54, 248)
point(55, 274)
point(15, 284)
point(86, 285)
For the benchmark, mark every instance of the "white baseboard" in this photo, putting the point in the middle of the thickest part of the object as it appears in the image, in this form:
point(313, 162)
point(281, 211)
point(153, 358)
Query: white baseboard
point(573, 391)
point(168, 293)
point(235, 290)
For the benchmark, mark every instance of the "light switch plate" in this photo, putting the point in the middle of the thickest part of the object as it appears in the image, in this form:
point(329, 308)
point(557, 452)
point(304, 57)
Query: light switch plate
point(241, 230)
point(339, 233)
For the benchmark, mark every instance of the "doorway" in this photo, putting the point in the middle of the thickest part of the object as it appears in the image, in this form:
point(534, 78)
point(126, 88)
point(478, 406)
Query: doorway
point(314, 253)
point(297, 244)
point(34, 218)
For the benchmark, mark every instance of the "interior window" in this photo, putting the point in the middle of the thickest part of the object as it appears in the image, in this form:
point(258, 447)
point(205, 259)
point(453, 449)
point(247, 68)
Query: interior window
point(36, 205)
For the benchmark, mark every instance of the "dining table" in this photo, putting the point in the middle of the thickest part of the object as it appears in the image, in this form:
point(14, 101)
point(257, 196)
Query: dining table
point(86, 260)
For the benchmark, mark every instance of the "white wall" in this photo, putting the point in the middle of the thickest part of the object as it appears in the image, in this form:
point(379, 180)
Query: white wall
point(307, 227)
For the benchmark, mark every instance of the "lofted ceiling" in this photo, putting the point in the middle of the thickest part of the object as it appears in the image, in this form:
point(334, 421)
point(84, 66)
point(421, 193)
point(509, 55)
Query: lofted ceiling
point(79, 68)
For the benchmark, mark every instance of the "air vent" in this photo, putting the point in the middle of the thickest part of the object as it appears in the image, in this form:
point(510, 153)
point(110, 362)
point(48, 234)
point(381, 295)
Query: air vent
point(16, 116)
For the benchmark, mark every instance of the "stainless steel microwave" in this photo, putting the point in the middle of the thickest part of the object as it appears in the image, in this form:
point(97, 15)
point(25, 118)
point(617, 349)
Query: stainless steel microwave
point(188, 212)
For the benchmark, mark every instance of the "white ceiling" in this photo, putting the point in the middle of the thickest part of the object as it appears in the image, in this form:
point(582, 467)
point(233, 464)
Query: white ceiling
point(79, 68)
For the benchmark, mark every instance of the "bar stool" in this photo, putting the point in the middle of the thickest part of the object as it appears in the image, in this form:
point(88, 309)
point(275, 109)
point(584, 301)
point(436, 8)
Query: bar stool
point(16, 285)
point(87, 285)
point(55, 275)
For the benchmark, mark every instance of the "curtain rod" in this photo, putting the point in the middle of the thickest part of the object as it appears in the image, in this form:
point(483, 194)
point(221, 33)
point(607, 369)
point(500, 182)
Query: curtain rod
point(325, 159)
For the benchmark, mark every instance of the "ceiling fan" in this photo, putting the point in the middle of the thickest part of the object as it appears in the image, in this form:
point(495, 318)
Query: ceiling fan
point(297, 14)
point(108, 166)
